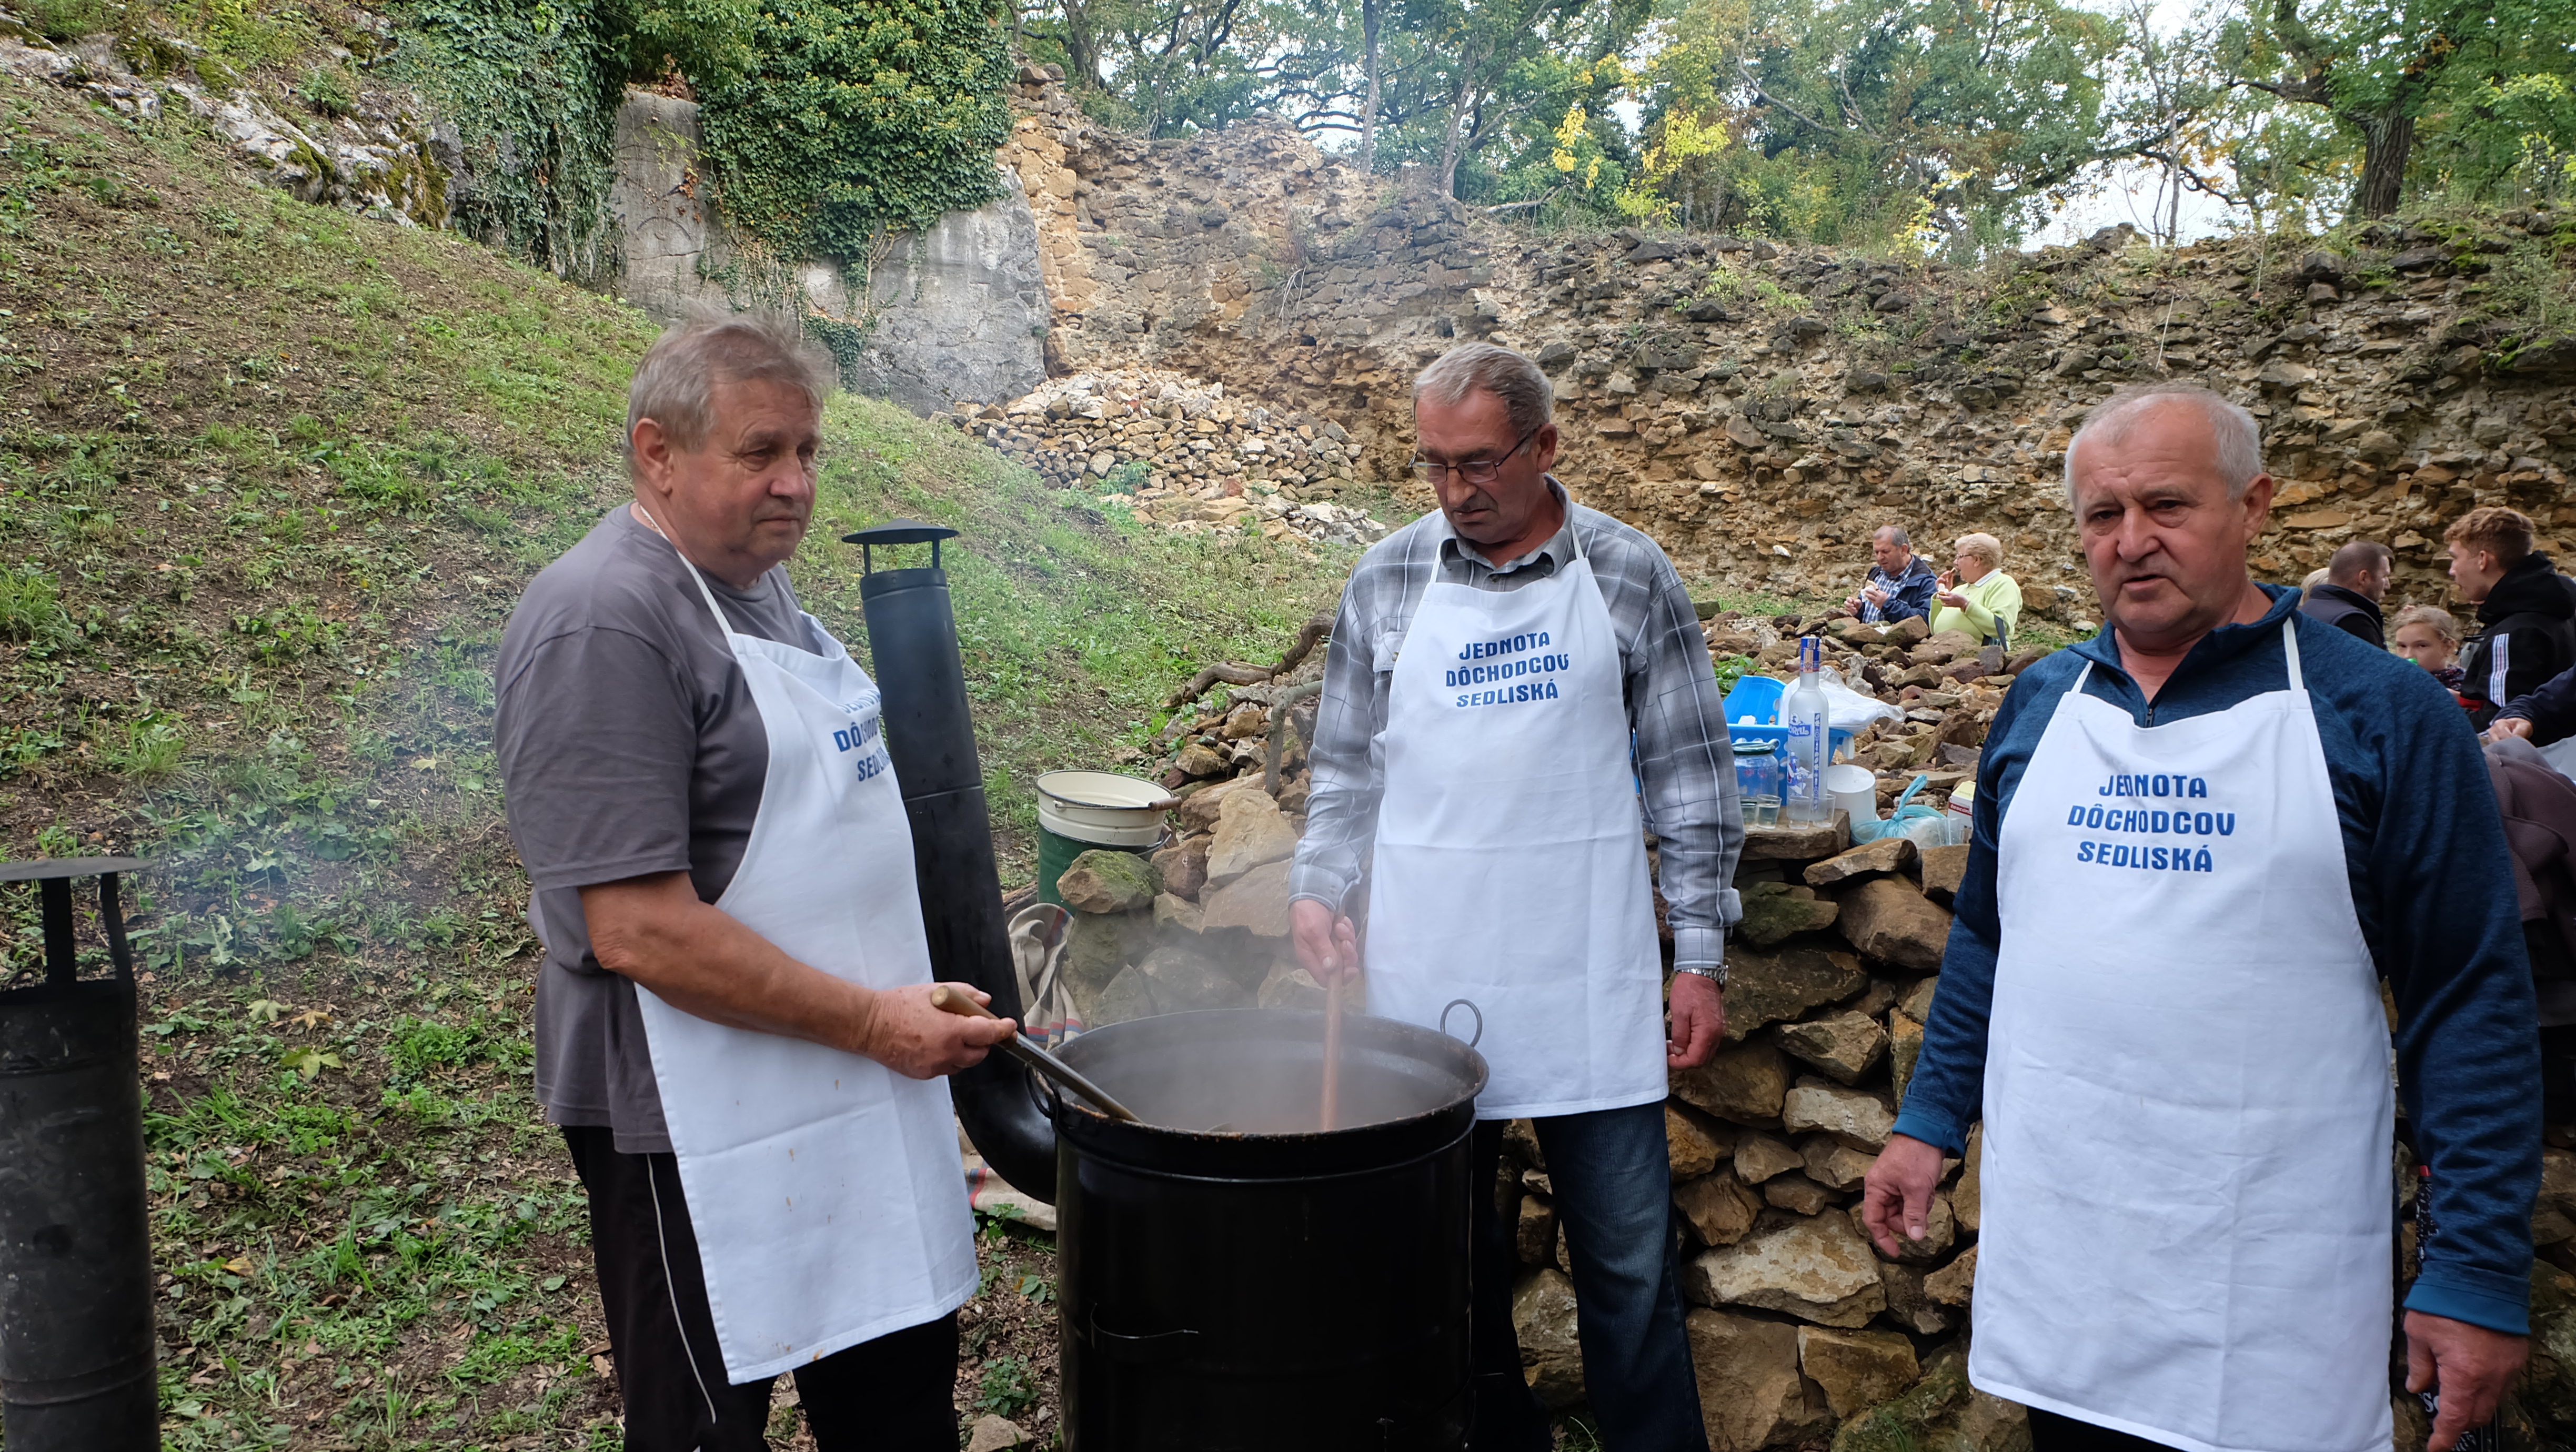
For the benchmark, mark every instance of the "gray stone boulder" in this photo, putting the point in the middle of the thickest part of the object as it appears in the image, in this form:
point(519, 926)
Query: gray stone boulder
point(1767, 988)
point(1856, 1117)
point(1844, 1045)
point(1751, 1394)
point(1887, 919)
point(1104, 880)
point(1816, 1268)
point(1543, 1314)
point(1743, 1085)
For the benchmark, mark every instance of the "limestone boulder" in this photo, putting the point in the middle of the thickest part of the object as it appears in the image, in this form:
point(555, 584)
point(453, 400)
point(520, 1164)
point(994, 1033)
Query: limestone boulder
point(1198, 811)
point(1743, 1085)
point(1695, 1144)
point(1797, 841)
point(1909, 1306)
point(1257, 902)
point(1843, 1045)
point(1833, 1164)
point(1534, 1234)
point(1250, 831)
point(1107, 881)
point(994, 1434)
point(1964, 1195)
point(1887, 854)
point(1887, 919)
point(1795, 1193)
point(1183, 866)
point(1718, 1208)
point(1953, 1284)
point(1854, 1116)
point(1185, 979)
point(1817, 1269)
point(1857, 1369)
point(1198, 759)
point(1942, 869)
point(1758, 1157)
point(1175, 914)
point(1100, 945)
point(1913, 630)
point(1777, 911)
point(1904, 1047)
point(1129, 996)
point(1543, 1314)
point(1916, 1003)
point(1751, 1394)
point(1766, 988)
point(1289, 986)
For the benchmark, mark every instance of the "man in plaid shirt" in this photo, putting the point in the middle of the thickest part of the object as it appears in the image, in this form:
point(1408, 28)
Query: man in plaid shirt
point(1517, 690)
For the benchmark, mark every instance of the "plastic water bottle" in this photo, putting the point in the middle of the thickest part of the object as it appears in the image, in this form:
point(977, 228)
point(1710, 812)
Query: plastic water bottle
point(1803, 796)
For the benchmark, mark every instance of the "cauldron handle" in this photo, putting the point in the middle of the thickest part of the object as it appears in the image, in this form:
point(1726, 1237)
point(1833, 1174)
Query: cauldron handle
point(1457, 1003)
point(1158, 1346)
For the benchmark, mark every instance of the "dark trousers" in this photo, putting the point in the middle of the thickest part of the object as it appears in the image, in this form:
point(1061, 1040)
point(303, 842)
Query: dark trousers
point(895, 1393)
point(2050, 1432)
point(1611, 1175)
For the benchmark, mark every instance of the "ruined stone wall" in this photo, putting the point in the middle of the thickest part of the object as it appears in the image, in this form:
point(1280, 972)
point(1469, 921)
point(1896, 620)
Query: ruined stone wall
point(1760, 409)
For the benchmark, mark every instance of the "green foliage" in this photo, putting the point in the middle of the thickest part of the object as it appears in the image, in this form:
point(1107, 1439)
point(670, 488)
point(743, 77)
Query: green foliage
point(328, 90)
point(31, 607)
point(855, 120)
point(1006, 1388)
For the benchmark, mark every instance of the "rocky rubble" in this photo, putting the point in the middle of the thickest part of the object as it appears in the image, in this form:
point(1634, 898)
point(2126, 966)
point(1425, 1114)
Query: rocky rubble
point(1180, 454)
point(1757, 408)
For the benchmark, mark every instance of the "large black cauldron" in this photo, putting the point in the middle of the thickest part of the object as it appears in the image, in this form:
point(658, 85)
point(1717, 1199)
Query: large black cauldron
point(1293, 1290)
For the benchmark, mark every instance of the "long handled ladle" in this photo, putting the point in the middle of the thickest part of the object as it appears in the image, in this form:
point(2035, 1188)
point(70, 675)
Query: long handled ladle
point(1332, 1042)
point(1026, 1050)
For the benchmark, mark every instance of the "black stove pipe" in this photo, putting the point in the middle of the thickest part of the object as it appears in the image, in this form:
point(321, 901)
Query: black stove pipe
point(930, 736)
point(76, 1338)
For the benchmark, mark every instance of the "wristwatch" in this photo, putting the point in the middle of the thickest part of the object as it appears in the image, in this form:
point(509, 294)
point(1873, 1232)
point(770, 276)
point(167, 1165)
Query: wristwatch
point(1716, 975)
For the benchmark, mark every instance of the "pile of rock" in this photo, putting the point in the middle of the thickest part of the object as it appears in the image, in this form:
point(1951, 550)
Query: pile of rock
point(1179, 453)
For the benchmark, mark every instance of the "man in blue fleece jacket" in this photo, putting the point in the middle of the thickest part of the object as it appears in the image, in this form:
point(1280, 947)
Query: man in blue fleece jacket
point(2201, 839)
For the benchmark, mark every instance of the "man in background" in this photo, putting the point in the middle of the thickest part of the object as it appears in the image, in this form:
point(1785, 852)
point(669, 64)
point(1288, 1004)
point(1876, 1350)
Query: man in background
point(2356, 579)
point(1899, 587)
point(2524, 605)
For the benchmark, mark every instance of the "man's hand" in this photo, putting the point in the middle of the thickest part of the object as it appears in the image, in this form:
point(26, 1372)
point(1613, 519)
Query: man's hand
point(1699, 1021)
point(1327, 945)
point(2469, 1365)
point(901, 1030)
point(1898, 1192)
point(2509, 726)
point(1874, 595)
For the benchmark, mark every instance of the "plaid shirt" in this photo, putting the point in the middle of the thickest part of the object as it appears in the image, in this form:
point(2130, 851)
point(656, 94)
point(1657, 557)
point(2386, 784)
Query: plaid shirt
point(1674, 707)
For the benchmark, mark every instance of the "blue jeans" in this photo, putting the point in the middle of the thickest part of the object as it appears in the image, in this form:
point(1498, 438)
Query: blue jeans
point(1612, 1178)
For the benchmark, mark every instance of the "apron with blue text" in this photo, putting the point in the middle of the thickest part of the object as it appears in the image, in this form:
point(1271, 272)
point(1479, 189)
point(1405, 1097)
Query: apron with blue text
point(827, 1191)
point(1510, 864)
point(2185, 1182)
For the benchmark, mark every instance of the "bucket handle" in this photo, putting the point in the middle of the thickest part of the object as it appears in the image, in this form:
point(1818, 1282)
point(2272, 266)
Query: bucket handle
point(1155, 1347)
point(1469, 1005)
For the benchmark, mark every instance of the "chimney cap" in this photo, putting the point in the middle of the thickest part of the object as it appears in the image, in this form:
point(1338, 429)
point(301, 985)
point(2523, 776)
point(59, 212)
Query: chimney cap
point(900, 531)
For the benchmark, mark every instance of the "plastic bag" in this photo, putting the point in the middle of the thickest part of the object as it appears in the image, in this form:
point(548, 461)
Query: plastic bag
point(1927, 825)
point(1849, 710)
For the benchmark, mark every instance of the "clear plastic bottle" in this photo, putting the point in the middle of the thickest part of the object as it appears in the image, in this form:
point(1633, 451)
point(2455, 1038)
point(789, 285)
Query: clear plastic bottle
point(1803, 711)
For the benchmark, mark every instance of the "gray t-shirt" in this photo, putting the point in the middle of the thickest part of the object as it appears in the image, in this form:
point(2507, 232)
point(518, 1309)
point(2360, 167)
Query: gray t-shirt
point(628, 745)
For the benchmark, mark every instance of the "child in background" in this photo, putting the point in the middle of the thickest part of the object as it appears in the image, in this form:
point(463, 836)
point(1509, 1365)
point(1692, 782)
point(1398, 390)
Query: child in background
point(2429, 637)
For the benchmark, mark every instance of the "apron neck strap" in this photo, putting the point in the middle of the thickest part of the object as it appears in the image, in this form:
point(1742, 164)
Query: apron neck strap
point(2290, 653)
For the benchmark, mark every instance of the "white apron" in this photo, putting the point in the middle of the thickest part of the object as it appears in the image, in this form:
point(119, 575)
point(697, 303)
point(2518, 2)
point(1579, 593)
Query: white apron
point(2187, 1101)
point(827, 1190)
point(1510, 864)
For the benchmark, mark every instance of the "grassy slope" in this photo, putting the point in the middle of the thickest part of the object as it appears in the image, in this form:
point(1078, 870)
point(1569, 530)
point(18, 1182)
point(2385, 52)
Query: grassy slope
point(274, 477)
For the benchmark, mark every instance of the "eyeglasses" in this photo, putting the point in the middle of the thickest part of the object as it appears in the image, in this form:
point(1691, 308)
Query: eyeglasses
point(1474, 471)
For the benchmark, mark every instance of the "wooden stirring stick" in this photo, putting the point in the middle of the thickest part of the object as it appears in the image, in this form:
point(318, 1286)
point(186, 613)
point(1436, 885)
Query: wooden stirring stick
point(1332, 1042)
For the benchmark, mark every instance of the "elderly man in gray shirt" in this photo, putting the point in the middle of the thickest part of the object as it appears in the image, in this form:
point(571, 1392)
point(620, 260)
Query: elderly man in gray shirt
point(1506, 677)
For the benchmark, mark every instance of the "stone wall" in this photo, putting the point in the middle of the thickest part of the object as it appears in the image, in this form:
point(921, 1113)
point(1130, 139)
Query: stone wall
point(958, 312)
point(1759, 409)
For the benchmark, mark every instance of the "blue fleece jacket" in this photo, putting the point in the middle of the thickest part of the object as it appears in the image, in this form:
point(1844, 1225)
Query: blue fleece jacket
point(2431, 882)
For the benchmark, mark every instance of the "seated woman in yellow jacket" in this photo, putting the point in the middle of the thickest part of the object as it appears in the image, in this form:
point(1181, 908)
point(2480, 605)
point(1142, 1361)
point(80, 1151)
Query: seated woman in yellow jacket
point(1976, 595)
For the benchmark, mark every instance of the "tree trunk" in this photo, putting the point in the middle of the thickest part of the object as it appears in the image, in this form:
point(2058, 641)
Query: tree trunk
point(1368, 109)
point(1454, 142)
point(1080, 47)
point(2386, 142)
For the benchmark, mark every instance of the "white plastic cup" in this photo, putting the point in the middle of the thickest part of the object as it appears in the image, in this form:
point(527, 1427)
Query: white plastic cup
point(1854, 789)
